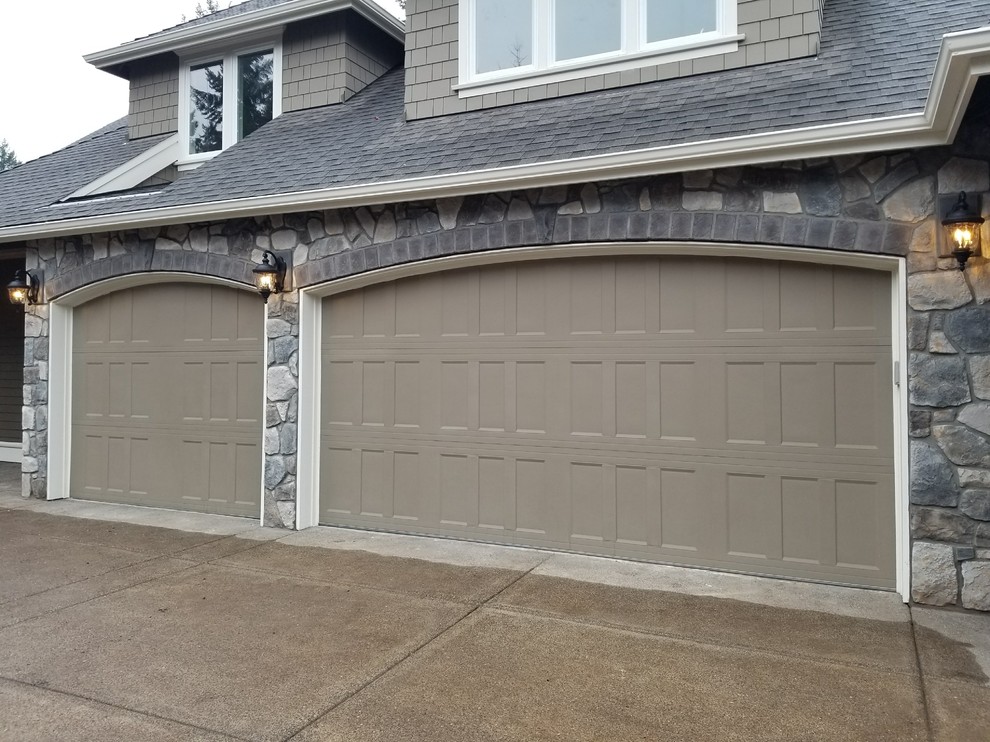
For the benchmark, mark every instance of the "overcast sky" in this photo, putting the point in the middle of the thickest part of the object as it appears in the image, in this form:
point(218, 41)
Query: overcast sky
point(50, 97)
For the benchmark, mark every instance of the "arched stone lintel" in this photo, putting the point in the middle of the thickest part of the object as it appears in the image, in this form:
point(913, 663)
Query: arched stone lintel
point(223, 268)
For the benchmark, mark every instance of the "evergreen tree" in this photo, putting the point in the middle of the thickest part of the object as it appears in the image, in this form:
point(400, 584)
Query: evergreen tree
point(7, 157)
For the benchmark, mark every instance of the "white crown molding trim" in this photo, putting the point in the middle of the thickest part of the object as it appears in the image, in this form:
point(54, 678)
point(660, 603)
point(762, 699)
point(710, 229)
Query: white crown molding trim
point(964, 57)
point(226, 29)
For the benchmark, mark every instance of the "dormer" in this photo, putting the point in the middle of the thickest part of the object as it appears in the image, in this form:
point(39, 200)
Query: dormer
point(228, 73)
point(465, 55)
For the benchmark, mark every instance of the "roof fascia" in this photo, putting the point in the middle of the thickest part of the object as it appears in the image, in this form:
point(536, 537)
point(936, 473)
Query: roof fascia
point(963, 58)
point(134, 171)
point(227, 29)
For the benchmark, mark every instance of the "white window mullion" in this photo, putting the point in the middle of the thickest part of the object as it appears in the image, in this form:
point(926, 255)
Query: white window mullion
point(229, 100)
point(633, 25)
point(543, 43)
point(276, 79)
point(184, 112)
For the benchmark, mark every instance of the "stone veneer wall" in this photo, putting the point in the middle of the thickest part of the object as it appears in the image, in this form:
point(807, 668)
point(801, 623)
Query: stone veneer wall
point(882, 204)
point(775, 30)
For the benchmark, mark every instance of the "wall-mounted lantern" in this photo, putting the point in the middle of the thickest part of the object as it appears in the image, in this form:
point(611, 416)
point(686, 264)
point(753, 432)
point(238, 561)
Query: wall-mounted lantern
point(25, 289)
point(962, 225)
point(269, 276)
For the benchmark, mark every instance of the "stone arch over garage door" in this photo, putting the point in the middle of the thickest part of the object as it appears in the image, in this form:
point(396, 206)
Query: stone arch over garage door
point(712, 410)
point(166, 396)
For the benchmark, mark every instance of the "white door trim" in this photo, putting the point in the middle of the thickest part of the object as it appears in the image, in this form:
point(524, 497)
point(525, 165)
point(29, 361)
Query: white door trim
point(60, 319)
point(310, 319)
point(902, 473)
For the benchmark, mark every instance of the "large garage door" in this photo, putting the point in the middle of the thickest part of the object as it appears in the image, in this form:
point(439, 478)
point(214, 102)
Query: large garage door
point(728, 413)
point(167, 398)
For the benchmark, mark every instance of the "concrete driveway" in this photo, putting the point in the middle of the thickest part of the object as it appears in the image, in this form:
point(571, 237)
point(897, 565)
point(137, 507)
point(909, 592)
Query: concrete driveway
point(214, 629)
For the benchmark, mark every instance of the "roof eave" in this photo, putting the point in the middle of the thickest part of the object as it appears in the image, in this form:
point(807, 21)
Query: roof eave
point(226, 29)
point(964, 57)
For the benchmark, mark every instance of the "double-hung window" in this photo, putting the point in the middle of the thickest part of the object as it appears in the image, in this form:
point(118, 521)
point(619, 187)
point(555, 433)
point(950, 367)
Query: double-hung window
point(225, 97)
point(528, 42)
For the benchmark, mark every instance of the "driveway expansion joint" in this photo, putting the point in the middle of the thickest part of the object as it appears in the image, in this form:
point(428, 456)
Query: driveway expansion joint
point(922, 679)
point(409, 655)
point(89, 699)
point(191, 565)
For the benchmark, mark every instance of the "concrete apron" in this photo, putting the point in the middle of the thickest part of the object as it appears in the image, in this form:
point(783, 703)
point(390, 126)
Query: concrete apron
point(125, 622)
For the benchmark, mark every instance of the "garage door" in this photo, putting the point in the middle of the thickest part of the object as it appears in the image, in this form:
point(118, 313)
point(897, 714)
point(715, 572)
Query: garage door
point(167, 398)
point(726, 413)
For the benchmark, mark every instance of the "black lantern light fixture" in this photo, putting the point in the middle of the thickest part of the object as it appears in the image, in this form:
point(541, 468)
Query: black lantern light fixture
point(24, 289)
point(269, 276)
point(962, 226)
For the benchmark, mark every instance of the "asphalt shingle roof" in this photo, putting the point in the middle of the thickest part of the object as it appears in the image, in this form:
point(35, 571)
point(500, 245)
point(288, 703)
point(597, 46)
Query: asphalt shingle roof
point(40, 183)
point(876, 60)
point(226, 12)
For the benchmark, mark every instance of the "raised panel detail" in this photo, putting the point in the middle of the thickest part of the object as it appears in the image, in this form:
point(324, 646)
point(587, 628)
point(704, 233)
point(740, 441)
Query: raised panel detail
point(722, 412)
point(168, 413)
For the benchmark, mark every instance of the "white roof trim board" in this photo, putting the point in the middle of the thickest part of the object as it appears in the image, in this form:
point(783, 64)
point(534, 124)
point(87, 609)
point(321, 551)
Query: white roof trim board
point(221, 30)
point(134, 171)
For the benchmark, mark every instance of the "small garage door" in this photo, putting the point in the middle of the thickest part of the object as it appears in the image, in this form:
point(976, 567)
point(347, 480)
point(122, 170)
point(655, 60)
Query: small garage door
point(727, 413)
point(167, 398)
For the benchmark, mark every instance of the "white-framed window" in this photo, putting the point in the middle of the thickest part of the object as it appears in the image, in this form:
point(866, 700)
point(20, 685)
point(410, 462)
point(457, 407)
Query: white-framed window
point(510, 43)
point(225, 96)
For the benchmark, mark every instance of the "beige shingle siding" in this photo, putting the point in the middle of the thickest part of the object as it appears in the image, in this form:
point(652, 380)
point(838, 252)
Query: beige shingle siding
point(327, 60)
point(775, 30)
point(154, 97)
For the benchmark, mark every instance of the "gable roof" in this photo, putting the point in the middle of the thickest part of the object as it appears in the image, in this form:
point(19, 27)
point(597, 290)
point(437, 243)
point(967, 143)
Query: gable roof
point(871, 87)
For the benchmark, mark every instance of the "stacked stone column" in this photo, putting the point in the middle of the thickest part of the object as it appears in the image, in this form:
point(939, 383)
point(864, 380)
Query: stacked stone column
point(949, 387)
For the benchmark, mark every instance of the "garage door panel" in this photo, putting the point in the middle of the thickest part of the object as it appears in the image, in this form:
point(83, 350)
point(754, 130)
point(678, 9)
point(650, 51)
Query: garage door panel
point(805, 298)
point(341, 474)
point(495, 301)
point(634, 502)
point(804, 525)
point(637, 310)
point(93, 475)
point(682, 514)
point(166, 415)
point(496, 495)
point(860, 514)
point(458, 490)
point(409, 496)
point(861, 393)
point(677, 290)
point(94, 379)
point(592, 502)
point(857, 305)
point(684, 410)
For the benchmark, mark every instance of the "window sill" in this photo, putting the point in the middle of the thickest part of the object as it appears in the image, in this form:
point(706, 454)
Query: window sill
point(560, 73)
point(191, 162)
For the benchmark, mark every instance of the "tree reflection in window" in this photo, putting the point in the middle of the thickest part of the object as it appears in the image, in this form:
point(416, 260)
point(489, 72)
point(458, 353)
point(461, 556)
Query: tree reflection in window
point(254, 98)
point(255, 76)
point(206, 109)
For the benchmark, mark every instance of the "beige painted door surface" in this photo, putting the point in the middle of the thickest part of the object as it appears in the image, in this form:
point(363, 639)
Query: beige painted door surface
point(720, 412)
point(167, 398)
